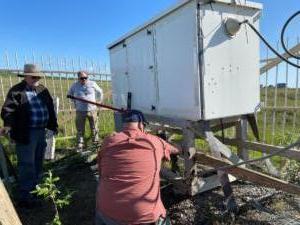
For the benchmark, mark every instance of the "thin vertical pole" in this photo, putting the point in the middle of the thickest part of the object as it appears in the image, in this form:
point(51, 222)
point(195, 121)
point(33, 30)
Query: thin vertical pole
point(52, 76)
point(73, 112)
point(62, 96)
point(8, 67)
point(265, 102)
point(2, 86)
point(17, 65)
point(43, 67)
point(285, 94)
point(275, 102)
point(296, 95)
point(69, 102)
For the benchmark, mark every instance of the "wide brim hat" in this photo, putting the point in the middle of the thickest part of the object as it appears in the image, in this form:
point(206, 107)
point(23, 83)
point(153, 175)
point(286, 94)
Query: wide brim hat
point(31, 70)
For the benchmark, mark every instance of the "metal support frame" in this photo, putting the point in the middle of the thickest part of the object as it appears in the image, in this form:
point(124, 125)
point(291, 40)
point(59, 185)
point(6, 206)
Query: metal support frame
point(241, 136)
point(191, 183)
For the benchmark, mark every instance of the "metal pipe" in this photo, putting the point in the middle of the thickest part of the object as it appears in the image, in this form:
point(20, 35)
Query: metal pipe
point(97, 104)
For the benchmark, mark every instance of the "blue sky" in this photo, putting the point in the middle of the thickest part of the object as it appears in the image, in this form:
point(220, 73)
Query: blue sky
point(65, 28)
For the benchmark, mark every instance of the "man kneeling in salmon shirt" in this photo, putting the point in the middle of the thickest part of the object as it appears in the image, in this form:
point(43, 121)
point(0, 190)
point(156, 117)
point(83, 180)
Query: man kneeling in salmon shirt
point(129, 185)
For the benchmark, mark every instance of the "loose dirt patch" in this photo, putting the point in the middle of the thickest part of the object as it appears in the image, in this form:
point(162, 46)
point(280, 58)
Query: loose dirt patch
point(258, 205)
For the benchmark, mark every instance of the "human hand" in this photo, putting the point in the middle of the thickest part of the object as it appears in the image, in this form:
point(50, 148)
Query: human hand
point(177, 149)
point(4, 131)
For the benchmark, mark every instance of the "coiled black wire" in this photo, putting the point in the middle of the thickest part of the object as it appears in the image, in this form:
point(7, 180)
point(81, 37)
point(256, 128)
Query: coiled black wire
point(282, 41)
point(283, 32)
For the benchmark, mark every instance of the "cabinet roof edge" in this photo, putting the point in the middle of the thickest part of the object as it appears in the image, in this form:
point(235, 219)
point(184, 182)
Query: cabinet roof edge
point(242, 3)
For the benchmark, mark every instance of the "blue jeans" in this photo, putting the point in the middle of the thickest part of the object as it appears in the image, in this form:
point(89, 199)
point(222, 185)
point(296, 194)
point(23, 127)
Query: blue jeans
point(102, 220)
point(30, 162)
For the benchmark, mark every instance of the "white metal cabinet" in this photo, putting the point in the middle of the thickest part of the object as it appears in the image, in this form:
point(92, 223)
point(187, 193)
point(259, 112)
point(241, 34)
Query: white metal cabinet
point(231, 64)
point(182, 64)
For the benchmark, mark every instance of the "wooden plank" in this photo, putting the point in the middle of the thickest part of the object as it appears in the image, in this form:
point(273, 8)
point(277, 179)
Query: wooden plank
point(277, 60)
point(217, 145)
point(281, 108)
point(199, 184)
point(248, 175)
point(265, 148)
point(8, 215)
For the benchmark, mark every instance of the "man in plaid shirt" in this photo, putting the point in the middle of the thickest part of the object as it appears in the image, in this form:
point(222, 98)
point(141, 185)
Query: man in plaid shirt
point(28, 109)
point(39, 114)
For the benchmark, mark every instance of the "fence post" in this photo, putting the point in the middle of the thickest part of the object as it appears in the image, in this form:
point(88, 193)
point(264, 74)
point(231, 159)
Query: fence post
point(241, 136)
point(50, 149)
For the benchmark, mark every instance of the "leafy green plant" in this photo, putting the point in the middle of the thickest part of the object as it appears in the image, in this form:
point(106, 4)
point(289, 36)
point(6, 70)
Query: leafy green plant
point(48, 190)
point(291, 172)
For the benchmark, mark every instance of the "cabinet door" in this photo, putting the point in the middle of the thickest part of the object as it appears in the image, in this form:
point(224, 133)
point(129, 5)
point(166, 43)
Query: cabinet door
point(141, 73)
point(177, 64)
point(119, 70)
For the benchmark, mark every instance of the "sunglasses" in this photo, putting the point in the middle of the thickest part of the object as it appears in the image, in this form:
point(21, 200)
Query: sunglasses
point(35, 78)
point(83, 78)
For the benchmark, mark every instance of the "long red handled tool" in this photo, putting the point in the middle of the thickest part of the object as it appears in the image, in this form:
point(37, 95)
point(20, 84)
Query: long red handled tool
point(97, 104)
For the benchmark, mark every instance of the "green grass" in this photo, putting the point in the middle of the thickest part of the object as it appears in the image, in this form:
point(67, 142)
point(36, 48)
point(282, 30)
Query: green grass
point(66, 117)
point(287, 123)
point(59, 87)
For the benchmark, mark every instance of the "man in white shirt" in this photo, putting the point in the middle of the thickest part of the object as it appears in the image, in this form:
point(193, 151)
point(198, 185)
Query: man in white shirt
point(89, 90)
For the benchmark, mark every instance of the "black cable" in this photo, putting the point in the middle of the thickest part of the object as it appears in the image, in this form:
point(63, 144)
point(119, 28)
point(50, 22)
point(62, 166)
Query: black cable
point(283, 32)
point(269, 46)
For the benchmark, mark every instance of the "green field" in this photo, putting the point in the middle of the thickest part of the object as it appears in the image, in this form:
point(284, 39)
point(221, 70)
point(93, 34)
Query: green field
point(280, 113)
point(58, 86)
point(283, 130)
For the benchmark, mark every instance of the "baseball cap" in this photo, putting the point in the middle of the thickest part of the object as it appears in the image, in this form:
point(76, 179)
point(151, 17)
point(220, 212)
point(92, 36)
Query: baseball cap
point(133, 116)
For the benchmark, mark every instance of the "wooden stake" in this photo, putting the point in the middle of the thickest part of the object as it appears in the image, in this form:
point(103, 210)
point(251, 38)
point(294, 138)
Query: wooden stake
point(8, 215)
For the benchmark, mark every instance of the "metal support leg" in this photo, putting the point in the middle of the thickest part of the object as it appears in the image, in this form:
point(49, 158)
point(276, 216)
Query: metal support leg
point(190, 169)
point(188, 152)
point(223, 176)
point(241, 136)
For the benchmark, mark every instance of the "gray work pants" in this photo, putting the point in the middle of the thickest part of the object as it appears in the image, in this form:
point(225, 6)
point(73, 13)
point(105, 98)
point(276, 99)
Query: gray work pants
point(81, 117)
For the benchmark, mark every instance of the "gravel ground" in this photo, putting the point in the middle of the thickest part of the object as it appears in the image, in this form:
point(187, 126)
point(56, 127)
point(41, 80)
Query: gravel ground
point(257, 205)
